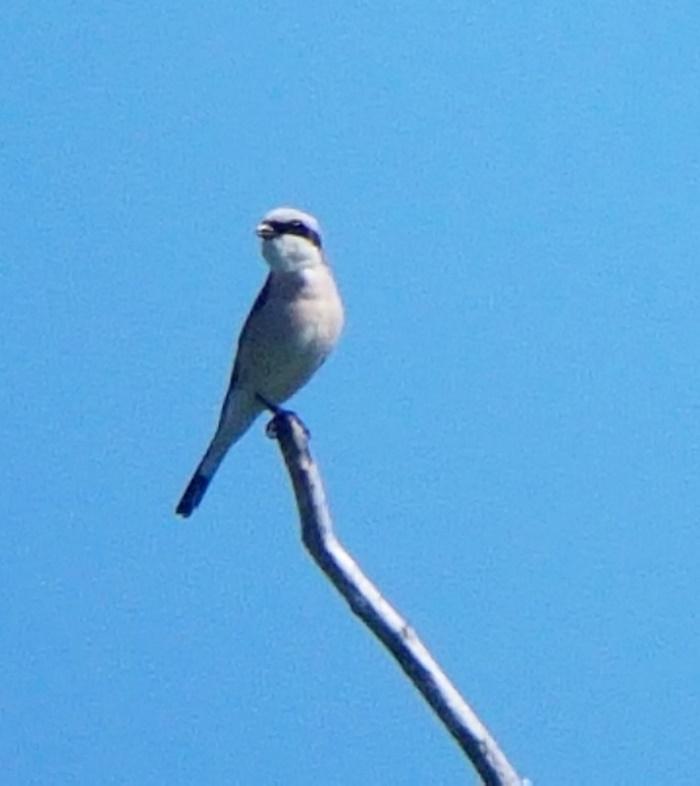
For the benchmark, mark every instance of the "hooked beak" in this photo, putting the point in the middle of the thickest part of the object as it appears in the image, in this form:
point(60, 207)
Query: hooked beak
point(265, 230)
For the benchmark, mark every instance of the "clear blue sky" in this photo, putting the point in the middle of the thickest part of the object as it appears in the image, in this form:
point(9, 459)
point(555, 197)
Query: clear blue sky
point(508, 431)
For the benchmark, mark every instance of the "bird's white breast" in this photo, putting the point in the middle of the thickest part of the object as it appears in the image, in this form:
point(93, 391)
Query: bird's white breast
point(292, 333)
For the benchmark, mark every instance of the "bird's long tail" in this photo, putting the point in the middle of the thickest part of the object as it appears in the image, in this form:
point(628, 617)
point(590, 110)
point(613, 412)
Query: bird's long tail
point(195, 490)
point(203, 475)
point(237, 415)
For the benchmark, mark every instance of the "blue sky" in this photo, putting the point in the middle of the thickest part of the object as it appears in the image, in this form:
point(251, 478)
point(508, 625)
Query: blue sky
point(508, 431)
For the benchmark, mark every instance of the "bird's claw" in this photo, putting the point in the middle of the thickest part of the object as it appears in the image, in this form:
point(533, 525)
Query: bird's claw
point(284, 414)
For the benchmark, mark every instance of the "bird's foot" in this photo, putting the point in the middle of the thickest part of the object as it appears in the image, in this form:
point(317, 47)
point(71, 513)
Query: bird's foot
point(281, 418)
point(280, 413)
point(274, 408)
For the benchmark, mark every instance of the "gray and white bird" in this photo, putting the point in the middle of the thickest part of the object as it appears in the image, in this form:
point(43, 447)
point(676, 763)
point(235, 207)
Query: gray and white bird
point(294, 324)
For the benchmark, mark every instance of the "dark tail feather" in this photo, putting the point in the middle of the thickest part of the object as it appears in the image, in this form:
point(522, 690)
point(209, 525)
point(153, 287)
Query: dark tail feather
point(193, 494)
point(239, 411)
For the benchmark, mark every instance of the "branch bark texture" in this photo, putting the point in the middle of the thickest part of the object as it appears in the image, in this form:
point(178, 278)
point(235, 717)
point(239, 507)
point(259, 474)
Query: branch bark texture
point(381, 618)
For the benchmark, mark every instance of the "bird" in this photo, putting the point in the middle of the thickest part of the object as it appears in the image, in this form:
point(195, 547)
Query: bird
point(294, 324)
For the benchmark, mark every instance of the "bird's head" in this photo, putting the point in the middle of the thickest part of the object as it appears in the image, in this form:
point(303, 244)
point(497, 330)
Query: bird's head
point(291, 239)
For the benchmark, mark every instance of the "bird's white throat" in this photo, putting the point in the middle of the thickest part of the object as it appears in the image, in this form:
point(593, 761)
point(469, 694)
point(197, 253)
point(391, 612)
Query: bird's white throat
point(285, 253)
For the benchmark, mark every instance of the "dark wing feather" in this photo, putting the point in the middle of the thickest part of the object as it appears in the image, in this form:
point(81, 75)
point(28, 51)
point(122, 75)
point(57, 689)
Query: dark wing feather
point(260, 301)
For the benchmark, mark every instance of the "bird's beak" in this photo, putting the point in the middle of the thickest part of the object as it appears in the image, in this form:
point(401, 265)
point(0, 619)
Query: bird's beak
point(265, 231)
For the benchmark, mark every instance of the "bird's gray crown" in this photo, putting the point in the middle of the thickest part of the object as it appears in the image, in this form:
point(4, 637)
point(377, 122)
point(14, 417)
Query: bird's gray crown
point(289, 221)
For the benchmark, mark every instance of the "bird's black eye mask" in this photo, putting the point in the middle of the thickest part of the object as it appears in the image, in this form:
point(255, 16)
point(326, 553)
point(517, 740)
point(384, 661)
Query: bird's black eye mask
point(298, 228)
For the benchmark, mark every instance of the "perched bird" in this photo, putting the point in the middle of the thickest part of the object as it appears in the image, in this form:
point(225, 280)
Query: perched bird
point(294, 324)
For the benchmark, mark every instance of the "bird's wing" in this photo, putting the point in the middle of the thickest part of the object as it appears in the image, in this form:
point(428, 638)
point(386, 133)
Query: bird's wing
point(260, 301)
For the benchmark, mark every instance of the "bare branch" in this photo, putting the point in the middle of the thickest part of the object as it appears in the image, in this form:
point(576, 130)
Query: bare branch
point(382, 619)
